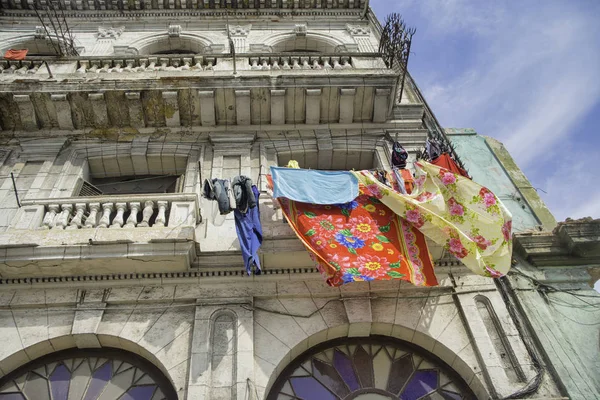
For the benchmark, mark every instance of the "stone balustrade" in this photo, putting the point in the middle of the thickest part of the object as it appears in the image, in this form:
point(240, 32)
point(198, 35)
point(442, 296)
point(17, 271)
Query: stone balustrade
point(300, 62)
point(193, 63)
point(112, 212)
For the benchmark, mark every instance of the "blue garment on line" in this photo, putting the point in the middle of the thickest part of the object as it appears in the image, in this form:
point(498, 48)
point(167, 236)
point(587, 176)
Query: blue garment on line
point(249, 232)
point(314, 186)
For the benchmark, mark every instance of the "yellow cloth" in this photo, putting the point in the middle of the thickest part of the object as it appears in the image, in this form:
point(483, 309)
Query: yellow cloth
point(455, 212)
point(293, 164)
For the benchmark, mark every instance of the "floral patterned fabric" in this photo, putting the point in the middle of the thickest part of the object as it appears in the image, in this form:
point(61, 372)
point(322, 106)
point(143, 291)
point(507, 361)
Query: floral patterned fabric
point(455, 212)
point(362, 240)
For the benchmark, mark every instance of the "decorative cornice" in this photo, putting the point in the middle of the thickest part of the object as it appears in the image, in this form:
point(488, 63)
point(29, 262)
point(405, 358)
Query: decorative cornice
point(240, 31)
point(355, 30)
point(573, 242)
point(110, 33)
point(174, 30)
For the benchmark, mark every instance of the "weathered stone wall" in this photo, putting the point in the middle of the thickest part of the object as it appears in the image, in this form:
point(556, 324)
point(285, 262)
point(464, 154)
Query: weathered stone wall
point(230, 337)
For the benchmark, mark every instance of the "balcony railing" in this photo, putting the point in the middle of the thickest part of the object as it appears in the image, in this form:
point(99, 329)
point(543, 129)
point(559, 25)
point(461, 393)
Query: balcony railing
point(194, 63)
point(113, 212)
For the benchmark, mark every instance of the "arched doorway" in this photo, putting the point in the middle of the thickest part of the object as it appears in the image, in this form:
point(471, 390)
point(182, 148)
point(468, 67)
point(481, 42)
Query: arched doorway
point(87, 374)
point(370, 368)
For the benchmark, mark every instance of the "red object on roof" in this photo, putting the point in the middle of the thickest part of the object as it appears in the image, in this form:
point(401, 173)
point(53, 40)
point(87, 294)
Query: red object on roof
point(15, 54)
point(445, 161)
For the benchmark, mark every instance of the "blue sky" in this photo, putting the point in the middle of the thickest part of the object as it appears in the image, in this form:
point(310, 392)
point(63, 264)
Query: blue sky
point(525, 72)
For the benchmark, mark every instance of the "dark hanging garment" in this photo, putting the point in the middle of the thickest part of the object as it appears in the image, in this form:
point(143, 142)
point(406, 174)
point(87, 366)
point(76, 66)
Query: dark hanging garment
point(399, 156)
point(249, 231)
point(243, 193)
point(217, 190)
point(433, 149)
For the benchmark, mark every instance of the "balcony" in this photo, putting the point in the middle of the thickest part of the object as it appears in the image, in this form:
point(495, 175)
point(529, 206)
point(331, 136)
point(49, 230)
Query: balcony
point(201, 92)
point(105, 234)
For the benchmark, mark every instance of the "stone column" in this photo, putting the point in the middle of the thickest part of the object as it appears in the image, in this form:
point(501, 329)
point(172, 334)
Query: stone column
point(118, 220)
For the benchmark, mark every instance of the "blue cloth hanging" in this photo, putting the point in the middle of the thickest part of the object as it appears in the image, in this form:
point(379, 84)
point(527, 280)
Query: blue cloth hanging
point(314, 186)
point(249, 232)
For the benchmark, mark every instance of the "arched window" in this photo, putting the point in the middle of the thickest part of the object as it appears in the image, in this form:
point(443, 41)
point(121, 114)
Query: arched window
point(373, 368)
point(304, 44)
point(173, 45)
point(90, 374)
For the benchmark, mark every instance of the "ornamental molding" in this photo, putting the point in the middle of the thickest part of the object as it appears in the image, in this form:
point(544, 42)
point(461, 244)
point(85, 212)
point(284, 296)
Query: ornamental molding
point(40, 32)
point(300, 30)
point(174, 30)
point(356, 30)
point(110, 33)
point(573, 242)
point(240, 31)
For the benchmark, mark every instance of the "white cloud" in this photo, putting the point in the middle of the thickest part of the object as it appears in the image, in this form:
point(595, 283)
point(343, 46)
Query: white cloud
point(532, 76)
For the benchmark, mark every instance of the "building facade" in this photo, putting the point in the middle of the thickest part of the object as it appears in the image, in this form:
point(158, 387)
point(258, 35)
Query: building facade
point(117, 282)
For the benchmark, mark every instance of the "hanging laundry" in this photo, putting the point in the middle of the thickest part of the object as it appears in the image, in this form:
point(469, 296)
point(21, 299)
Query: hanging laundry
point(455, 212)
point(12, 54)
point(243, 194)
point(445, 161)
point(399, 156)
point(433, 149)
point(249, 232)
point(361, 240)
point(218, 190)
point(409, 181)
point(313, 186)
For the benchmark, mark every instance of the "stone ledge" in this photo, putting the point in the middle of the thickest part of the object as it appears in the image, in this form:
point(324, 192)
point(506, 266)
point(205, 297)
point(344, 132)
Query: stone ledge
point(573, 242)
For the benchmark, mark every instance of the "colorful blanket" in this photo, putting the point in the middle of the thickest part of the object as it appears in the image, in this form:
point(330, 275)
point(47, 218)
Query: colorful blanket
point(455, 212)
point(362, 240)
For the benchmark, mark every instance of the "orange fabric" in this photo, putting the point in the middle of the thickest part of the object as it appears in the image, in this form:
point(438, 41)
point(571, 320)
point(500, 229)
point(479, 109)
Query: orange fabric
point(15, 54)
point(360, 241)
point(409, 181)
point(445, 161)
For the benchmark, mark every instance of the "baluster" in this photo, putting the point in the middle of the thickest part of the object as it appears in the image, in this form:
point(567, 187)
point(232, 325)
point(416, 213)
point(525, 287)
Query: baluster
point(50, 216)
point(161, 217)
point(63, 219)
point(326, 64)
point(336, 64)
point(94, 67)
point(295, 63)
point(133, 216)
point(286, 63)
point(316, 64)
point(147, 214)
point(305, 64)
point(276, 64)
point(143, 64)
point(129, 66)
point(118, 220)
point(91, 220)
point(34, 69)
point(346, 63)
point(210, 62)
point(117, 67)
point(254, 63)
point(106, 68)
point(164, 63)
point(76, 221)
point(265, 64)
point(187, 62)
point(107, 209)
point(84, 66)
point(152, 66)
point(198, 63)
